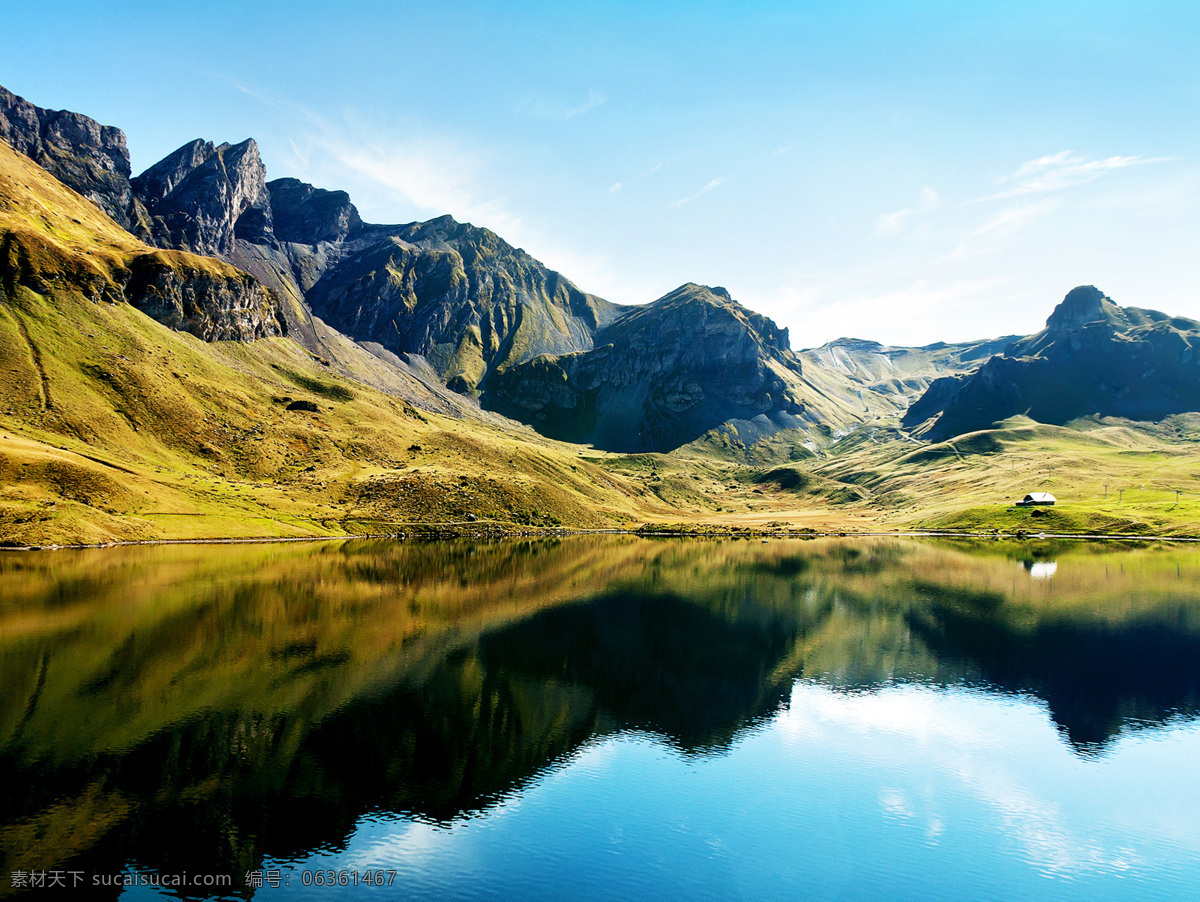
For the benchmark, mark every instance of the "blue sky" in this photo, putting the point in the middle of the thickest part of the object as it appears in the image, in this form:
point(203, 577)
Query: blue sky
point(907, 172)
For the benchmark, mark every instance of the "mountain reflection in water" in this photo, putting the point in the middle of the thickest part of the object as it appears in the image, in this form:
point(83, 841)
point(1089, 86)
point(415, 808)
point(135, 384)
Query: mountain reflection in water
point(204, 709)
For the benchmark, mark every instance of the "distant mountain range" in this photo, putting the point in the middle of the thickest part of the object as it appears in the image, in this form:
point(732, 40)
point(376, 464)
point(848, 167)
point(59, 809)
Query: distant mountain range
point(454, 319)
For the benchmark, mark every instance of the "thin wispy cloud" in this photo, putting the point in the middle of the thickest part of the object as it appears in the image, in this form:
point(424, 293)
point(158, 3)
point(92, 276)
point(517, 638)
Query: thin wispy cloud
point(987, 236)
point(901, 220)
point(410, 167)
point(595, 99)
point(414, 165)
point(715, 183)
point(621, 186)
point(1065, 169)
point(538, 106)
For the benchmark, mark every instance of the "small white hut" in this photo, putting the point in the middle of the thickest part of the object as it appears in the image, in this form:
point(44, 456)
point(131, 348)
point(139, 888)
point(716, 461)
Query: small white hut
point(1038, 498)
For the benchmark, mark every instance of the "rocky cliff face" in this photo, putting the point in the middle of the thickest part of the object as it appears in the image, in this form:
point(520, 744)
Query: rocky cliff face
point(1093, 357)
point(213, 306)
point(307, 215)
point(81, 153)
point(659, 376)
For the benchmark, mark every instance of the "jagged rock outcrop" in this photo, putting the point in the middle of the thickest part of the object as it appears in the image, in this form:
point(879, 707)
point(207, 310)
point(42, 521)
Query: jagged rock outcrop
point(202, 197)
point(307, 215)
point(659, 376)
point(213, 306)
point(1093, 357)
point(84, 155)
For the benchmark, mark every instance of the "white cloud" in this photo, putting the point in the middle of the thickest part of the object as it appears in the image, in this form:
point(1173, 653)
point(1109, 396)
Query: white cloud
point(615, 187)
point(1065, 169)
point(1014, 219)
point(715, 183)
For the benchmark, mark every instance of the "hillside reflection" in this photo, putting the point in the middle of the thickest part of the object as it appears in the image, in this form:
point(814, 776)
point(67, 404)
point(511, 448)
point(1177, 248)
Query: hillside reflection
point(201, 708)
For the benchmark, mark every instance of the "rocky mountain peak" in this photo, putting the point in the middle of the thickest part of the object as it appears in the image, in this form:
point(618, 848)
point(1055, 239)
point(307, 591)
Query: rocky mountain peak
point(740, 318)
point(160, 179)
point(1082, 305)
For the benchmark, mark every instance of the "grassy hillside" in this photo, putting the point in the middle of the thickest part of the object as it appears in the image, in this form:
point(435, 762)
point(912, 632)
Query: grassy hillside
point(1109, 477)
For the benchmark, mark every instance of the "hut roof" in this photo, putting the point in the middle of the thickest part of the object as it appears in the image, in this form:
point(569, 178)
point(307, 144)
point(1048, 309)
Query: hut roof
point(1039, 498)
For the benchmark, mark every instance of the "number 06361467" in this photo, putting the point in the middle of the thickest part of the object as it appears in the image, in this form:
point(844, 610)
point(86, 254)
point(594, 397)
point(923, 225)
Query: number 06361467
point(348, 878)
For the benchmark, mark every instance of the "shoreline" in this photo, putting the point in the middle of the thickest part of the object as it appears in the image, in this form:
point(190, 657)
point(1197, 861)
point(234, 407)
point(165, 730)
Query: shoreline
point(444, 533)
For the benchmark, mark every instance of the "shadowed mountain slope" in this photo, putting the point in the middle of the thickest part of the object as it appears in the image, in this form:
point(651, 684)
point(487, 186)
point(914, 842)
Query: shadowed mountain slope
point(665, 373)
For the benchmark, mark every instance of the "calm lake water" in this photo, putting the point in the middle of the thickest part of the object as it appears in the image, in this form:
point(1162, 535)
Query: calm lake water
point(603, 718)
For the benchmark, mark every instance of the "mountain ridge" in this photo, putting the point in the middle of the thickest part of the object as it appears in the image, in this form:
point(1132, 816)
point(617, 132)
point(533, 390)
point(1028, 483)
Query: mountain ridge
point(1094, 357)
point(450, 315)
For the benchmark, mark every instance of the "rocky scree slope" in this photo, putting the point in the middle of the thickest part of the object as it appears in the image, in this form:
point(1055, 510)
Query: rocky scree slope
point(1093, 357)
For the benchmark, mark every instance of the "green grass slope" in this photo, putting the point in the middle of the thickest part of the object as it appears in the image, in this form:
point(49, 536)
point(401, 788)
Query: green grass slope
point(1108, 476)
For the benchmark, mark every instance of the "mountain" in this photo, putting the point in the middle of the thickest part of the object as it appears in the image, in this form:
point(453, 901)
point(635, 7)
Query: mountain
point(123, 417)
point(51, 237)
point(1093, 357)
point(457, 296)
point(663, 374)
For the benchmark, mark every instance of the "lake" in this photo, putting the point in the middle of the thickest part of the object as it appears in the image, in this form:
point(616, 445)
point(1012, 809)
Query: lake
point(604, 717)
